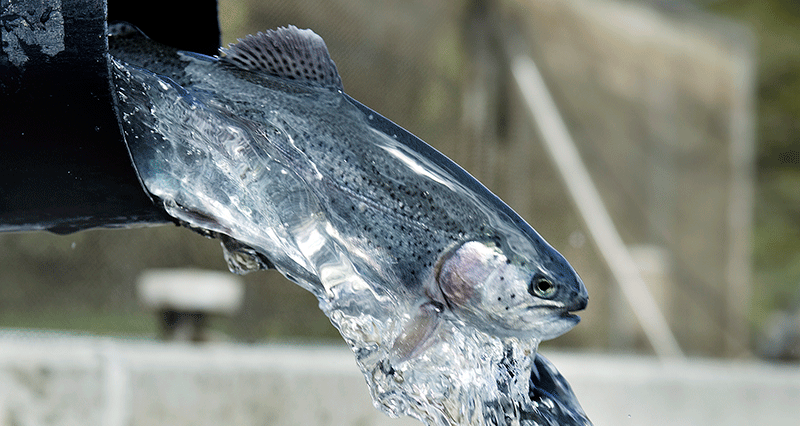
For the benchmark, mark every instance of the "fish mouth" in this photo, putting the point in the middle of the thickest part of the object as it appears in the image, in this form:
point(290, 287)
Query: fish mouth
point(565, 310)
point(567, 315)
point(578, 305)
point(562, 313)
point(553, 322)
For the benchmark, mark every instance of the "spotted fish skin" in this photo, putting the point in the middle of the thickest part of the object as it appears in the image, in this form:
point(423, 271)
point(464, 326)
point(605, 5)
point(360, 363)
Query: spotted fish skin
point(263, 146)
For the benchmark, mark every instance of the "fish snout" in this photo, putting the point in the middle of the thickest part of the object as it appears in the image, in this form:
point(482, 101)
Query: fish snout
point(579, 303)
point(579, 298)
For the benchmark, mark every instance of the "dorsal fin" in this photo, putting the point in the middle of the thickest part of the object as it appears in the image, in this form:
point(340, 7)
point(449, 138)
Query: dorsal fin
point(288, 52)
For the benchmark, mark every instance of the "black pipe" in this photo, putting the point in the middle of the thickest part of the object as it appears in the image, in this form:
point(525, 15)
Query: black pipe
point(64, 166)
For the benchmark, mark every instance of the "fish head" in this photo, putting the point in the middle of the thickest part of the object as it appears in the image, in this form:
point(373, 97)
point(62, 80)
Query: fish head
point(506, 293)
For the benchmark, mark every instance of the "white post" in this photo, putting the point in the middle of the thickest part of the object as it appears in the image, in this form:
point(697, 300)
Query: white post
point(565, 156)
point(115, 385)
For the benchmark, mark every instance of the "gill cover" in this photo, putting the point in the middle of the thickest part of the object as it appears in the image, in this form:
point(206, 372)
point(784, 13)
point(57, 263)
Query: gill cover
point(482, 285)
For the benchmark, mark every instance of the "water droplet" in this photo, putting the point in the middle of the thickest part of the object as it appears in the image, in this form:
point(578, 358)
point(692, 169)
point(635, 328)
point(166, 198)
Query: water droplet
point(370, 117)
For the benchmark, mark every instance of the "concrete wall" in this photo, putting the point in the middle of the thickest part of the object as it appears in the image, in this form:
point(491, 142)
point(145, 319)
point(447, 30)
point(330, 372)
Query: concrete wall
point(67, 380)
point(631, 390)
point(52, 379)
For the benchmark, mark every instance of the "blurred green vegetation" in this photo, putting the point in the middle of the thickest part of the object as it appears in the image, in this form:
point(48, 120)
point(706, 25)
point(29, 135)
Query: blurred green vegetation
point(100, 321)
point(86, 282)
point(776, 245)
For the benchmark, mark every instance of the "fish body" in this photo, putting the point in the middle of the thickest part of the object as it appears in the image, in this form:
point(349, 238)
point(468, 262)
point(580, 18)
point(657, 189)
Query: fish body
point(263, 146)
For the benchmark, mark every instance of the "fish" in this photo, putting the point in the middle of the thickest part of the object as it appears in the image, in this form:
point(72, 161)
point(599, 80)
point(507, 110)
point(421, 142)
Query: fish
point(441, 290)
point(261, 147)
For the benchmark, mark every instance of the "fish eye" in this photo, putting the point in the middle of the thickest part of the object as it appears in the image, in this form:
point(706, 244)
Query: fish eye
point(541, 287)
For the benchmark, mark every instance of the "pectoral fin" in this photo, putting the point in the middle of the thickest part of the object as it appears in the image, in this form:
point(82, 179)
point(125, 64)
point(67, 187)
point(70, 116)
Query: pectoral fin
point(241, 258)
point(418, 333)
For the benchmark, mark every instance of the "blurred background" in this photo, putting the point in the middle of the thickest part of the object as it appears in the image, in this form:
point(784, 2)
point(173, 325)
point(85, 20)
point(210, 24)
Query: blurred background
point(685, 114)
point(656, 95)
